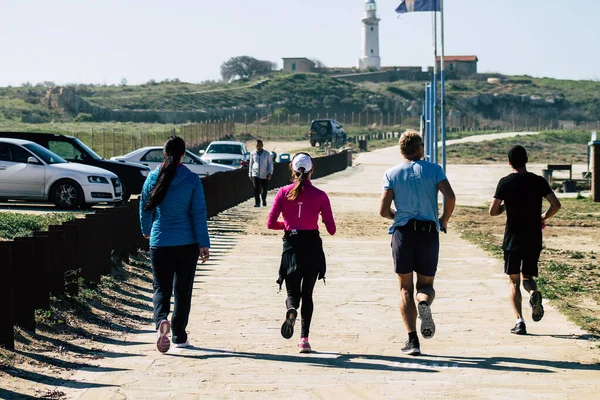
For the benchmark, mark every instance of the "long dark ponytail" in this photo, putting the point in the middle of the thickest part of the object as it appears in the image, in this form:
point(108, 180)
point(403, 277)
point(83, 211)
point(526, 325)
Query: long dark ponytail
point(174, 149)
point(299, 177)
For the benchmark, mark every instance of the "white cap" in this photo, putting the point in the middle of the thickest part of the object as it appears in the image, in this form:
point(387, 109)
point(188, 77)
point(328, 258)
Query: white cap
point(302, 161)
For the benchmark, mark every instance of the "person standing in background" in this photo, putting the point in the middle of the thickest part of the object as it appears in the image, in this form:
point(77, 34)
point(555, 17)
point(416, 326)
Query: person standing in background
point(260, 172)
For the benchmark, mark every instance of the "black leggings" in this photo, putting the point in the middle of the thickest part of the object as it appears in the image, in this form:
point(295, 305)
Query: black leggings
point(174, 267)
point(300, 285)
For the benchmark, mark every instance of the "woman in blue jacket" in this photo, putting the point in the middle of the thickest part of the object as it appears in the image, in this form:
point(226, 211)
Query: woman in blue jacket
point(173, 217)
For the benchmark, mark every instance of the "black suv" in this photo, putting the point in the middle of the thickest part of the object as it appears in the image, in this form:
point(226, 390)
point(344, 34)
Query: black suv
point(132, 176)
point(326, 131)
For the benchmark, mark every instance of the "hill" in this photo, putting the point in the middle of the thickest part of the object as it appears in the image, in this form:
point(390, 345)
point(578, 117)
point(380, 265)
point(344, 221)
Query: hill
point(516, 100)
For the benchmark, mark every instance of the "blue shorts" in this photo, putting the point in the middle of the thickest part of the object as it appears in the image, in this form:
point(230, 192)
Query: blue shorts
point(415, 251)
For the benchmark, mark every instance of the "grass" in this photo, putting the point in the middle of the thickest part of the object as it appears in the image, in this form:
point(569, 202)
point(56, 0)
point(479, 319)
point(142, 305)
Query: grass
point(557, 147)
point(569, 278)
point(14, 225)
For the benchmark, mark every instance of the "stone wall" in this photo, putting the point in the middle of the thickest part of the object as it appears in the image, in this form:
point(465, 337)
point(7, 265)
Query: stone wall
point(66, 101)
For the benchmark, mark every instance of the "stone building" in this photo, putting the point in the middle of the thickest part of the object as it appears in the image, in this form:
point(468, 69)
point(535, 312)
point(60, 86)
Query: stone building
point(459, 65)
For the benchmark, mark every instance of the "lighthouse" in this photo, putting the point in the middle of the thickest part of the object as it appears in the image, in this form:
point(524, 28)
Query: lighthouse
point(370, 38)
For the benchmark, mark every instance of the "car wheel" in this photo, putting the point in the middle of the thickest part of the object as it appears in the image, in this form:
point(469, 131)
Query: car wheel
point(313, 143)
point(66, 194)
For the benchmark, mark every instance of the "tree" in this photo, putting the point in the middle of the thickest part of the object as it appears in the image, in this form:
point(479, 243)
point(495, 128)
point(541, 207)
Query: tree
point(319, 65)
point(123, 82)
point(245, 67)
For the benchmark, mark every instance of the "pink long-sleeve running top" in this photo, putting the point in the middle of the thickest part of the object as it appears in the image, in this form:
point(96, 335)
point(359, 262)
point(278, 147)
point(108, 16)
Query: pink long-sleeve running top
point(301, 214)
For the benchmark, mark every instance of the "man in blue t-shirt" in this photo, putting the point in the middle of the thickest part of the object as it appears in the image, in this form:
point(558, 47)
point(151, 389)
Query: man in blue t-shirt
point(413, 186)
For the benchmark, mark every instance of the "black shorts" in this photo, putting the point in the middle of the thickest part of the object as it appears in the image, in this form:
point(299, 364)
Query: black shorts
point(521, 261)
point(415, 251)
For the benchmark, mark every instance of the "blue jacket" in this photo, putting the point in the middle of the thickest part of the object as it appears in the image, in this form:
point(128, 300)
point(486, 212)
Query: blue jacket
point(180, 219)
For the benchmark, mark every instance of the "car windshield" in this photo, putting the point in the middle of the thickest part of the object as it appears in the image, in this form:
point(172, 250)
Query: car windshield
point(317, 124)
point(225, 148)
point(88, 150)
point(45, 154)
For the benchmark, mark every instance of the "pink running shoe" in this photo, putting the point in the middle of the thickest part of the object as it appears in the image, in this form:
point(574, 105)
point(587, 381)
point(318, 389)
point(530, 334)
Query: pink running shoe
point(163, 340)
point(304, 346)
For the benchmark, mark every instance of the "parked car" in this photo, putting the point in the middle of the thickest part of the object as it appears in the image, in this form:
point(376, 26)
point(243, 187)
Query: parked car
point(153, 156)
point(29, 171)
point(132, 176)
point(226, 153)
point(326, 131)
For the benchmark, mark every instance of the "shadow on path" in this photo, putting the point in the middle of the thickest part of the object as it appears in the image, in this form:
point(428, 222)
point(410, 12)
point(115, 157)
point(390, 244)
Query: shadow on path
point(327, 360)
point(517, 364)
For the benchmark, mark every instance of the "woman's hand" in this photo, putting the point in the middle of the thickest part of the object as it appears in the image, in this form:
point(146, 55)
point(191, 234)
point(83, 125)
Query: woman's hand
point(146, 236)
point(204, 254)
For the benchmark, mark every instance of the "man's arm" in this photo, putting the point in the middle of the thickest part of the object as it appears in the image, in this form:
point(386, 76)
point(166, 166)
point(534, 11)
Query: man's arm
point(385, 210)
point(497, 207)
point(554, 206)
point(251, 161)
point(270, 166)
point(449, 203)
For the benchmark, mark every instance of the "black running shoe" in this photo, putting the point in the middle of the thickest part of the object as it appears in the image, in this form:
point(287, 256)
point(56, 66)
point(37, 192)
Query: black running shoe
point(427, 324)
point(287, 329)
point(519, 329)
point(412, 348)
point(257, 205)
point(537, 309)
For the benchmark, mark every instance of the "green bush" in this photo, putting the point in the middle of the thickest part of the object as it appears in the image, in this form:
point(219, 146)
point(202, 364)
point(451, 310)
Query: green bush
point(82, 117)
point(13, 225)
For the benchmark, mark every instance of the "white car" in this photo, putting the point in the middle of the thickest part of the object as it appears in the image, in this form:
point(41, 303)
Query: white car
point(29, 171)
point(153, 157)
point(226, 153)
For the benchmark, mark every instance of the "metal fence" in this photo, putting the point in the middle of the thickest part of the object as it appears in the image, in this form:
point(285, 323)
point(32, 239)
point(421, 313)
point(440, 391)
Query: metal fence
point(54, 262)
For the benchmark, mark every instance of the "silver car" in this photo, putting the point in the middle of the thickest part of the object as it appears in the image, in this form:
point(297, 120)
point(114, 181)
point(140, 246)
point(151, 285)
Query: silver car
point(225, 152)
point(29, 171)
point(153, 157)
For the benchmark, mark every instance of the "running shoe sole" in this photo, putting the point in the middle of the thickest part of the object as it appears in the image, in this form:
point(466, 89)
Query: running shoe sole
point(537, 309)
point(287, 329)
point(163, 343)
point(427, 324)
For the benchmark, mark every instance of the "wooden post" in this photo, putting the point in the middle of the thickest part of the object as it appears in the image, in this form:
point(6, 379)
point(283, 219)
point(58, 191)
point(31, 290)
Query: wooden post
point(7, 334)
point(595, 158)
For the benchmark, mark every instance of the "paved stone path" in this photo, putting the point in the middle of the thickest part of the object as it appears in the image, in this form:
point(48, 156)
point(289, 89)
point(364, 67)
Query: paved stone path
point(357, 331)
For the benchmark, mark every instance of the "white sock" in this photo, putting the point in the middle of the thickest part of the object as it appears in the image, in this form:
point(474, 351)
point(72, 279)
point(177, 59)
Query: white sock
point(520, 320)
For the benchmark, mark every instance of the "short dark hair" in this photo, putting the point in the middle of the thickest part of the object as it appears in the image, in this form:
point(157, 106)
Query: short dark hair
point(259, 141)
point(517, 156)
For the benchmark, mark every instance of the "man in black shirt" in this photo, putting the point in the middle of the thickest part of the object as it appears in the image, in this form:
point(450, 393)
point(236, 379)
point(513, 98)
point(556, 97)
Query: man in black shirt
point(520, 194)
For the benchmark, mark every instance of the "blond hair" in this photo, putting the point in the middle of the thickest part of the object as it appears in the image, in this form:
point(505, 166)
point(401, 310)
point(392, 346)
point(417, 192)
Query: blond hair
point(409, 144)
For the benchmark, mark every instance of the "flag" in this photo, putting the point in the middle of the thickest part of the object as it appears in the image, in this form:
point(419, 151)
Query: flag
point(407, 6)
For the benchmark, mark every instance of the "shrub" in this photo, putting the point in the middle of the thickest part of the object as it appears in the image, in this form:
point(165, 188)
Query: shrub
point(83, 117)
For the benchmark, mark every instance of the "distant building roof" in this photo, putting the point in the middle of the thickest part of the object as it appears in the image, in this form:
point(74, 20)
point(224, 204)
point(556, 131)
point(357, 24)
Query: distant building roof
point(458, 58)
point(298, 58)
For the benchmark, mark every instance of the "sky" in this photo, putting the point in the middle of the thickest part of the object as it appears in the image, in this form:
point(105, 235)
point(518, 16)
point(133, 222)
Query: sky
point(104, 41)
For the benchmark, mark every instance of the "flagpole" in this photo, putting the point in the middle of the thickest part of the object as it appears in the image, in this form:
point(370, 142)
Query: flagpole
point(434, 126)
point(443, 103)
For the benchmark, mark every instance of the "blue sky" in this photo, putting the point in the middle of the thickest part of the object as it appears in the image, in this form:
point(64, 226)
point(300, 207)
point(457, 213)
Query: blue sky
point(103, 41)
